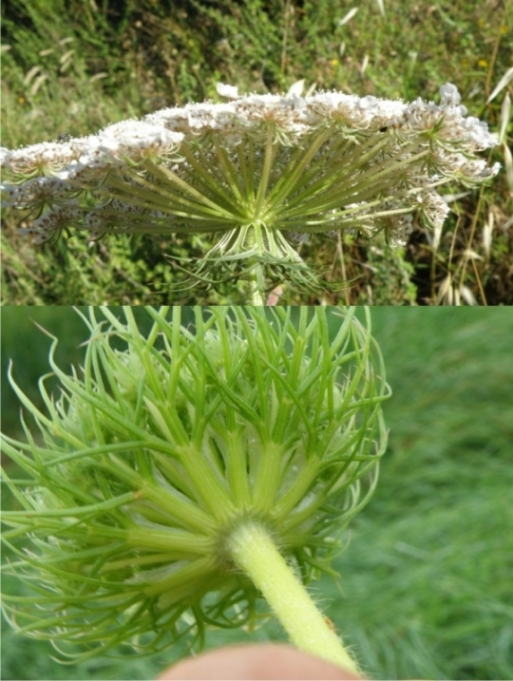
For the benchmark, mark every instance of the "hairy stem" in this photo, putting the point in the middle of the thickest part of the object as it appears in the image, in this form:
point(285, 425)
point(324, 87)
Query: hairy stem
point(253, 551)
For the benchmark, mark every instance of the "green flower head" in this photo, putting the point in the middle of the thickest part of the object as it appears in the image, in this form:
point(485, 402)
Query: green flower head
point(165, 448)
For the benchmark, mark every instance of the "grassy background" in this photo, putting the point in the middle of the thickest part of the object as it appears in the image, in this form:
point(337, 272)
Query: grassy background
point(73, 67)
point(425, 584)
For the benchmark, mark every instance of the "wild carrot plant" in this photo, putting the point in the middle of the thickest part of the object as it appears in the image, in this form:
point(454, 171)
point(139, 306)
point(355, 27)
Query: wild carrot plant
point(257, 173)
point(182, 473)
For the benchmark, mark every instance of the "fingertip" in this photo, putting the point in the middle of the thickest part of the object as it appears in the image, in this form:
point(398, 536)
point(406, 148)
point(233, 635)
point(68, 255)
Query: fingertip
point(262, 662)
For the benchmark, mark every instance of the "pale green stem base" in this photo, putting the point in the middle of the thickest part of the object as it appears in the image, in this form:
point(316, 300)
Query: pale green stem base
point(256, 276)
point(256, 286)
point(253, 550)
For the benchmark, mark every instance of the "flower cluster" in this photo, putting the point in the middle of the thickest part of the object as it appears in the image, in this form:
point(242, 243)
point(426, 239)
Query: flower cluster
point(254, 169)
point(171, 441)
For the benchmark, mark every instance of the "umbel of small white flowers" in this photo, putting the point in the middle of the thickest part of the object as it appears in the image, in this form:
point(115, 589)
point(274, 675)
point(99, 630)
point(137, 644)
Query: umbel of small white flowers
point(255, 171)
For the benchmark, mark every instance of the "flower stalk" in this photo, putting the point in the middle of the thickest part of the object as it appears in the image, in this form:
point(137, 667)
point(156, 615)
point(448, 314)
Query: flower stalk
point(254, 552)
point(188, 470)
point(278, 165)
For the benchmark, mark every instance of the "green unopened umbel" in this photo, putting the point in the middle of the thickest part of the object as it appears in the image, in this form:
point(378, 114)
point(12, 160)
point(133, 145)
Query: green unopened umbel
point(186, 471)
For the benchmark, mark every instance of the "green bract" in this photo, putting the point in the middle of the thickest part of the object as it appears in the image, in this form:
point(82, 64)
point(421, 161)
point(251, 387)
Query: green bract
point(165, 445)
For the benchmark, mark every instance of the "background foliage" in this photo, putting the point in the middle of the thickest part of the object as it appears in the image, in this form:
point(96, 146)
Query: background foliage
point(425, 582)
point(71, 67)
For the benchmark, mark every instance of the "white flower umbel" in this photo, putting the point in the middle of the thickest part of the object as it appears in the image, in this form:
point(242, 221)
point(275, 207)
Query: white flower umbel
point(253, 171)
point(185, 472)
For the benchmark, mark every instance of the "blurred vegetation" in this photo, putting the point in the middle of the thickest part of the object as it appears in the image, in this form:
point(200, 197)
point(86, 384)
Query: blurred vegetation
point(425, 581)
point(72, 67)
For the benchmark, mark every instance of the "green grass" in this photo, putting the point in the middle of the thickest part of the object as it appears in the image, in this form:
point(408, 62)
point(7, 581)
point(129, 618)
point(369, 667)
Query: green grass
point(425, 582)
point(73, 68)
point(426, 577)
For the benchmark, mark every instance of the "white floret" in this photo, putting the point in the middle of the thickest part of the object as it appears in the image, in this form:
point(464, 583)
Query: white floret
point(229, 91)
point(449, 95)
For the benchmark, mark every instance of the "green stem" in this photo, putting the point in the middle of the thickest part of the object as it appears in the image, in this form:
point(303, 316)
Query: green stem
point(256, 277)
point(256, 296)
point(253, 550)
